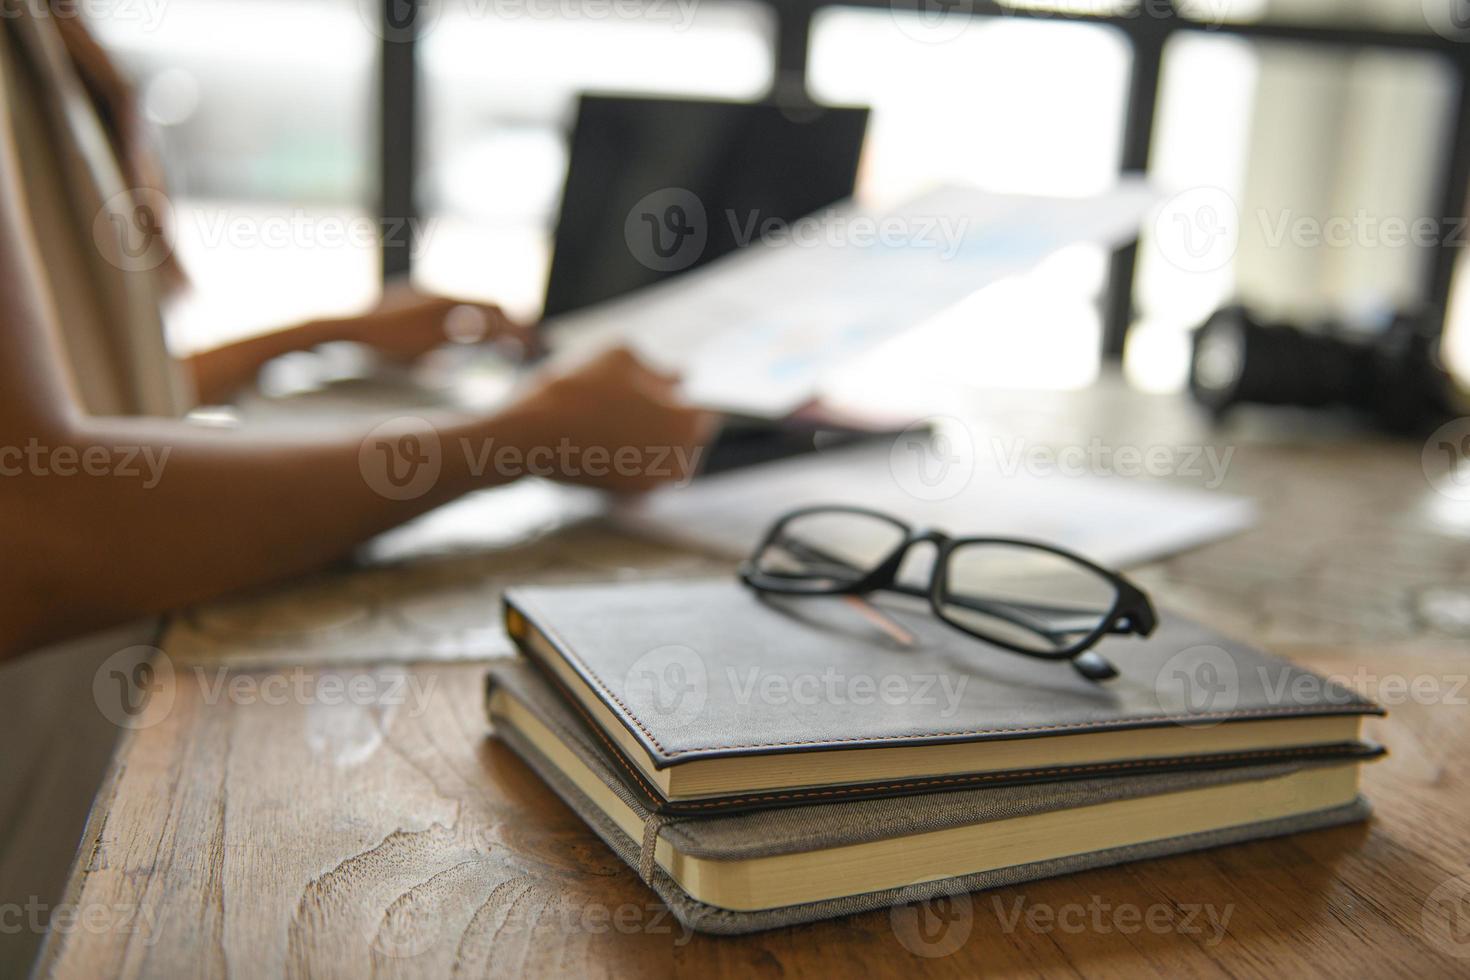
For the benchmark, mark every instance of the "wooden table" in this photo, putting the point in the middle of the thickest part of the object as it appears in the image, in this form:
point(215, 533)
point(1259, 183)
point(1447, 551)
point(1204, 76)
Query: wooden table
point(256, 835)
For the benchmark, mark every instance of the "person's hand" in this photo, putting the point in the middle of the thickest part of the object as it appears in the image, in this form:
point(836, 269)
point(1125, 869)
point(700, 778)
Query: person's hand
point(406, 324)
point(615, 424)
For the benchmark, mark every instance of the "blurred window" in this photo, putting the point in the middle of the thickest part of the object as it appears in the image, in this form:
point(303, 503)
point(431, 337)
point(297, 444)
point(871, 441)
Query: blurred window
point(1010, 105)
point(500, 81)
point(266, 114)
point(1298, 180)
point(265, 111)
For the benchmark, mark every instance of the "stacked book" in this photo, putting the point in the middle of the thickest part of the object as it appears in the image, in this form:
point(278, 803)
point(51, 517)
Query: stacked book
point(763, 762)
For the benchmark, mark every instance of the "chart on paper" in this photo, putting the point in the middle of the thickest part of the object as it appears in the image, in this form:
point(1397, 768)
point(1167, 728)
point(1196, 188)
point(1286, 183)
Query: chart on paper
point(757, 331)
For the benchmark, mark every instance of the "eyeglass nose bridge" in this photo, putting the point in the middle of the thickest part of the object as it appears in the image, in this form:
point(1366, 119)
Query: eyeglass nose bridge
point(888, 570)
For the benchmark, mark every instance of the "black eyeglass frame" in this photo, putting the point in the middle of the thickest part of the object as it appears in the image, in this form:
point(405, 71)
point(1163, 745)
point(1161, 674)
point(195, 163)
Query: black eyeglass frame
point(1131, 611)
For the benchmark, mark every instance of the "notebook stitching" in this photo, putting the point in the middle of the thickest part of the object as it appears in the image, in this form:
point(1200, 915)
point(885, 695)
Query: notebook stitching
point(1178, 719)
point(565, 649)
point(1168, 763)
point(948, 780)
point(592, 725)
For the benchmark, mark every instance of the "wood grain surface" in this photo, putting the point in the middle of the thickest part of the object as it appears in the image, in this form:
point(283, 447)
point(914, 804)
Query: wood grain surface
point(253, 830)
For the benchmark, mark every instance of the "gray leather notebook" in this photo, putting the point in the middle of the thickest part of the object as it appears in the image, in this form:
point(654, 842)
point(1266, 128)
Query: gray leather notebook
point(734, 872)
point(715, 698)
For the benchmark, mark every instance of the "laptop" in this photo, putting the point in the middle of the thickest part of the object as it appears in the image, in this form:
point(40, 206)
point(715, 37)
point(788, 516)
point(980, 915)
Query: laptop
point(657, 187)
point(741, 163)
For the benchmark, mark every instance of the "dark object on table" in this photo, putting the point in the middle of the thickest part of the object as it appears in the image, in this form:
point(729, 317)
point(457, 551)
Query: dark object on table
point(1394, 376)
point(744, 441)
point(657, 187)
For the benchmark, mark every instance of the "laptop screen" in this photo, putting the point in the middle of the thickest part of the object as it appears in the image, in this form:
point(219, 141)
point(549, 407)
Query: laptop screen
point(659, 186)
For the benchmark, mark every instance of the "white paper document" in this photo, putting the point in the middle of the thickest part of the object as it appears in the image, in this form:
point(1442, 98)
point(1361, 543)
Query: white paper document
point(757, 331)
point(1114, 520)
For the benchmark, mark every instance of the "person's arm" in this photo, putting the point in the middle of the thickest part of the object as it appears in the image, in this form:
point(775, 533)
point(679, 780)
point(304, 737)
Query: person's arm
point(103, 520)
point(403, 326)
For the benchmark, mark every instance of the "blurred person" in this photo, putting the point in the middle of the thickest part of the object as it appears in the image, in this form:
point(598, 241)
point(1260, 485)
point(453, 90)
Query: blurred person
point(87, 386)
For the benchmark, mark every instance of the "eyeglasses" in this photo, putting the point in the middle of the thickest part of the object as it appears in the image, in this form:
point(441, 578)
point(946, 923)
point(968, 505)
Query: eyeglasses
point(1023, 596)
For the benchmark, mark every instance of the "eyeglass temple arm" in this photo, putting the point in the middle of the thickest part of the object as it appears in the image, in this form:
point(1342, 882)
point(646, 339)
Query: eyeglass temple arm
point(1123, 624)
point(1089, 663)
point(1017, 614)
